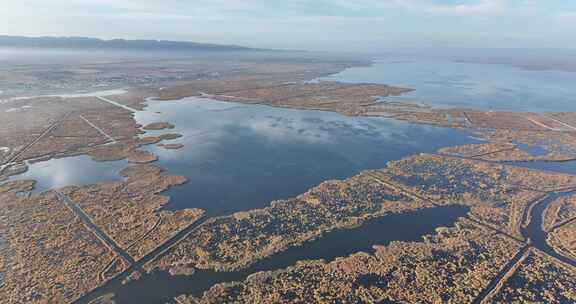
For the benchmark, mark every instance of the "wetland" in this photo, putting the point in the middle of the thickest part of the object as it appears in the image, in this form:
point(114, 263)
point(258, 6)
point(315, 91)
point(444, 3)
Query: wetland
point(291, 181)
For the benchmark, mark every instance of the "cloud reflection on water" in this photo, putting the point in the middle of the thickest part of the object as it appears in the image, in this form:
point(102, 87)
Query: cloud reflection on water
point(76, 170)
point(242, 157)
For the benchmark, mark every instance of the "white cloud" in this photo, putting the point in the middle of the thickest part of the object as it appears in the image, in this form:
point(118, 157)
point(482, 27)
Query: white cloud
point(482, 7)
point(225, 7)
point(473, 7)
point(317, 24)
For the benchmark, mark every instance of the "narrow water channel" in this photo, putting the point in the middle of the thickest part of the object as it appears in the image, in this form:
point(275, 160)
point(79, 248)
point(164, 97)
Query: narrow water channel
point(537, 235)
point(566, 167)
point(160, 287)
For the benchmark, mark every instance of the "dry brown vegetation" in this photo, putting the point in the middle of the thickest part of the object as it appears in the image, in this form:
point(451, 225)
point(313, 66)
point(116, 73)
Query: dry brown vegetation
point(476, 150)
point(141, 157)
point(48, 127)
point(540, 279)
point(508, 120)
point(563, 239)
point(460, 261)
point(349, 99)
point(499, 194)
point(555, 132)
point(23, 121)
point(237, 241)
point(559, 145)
point(23, 186)
point(171, 146)
point(128, 210)
point(567, 119)
point(497, 152)
point(561, 210)
point(47, 254)
point(452, 266)
point(158, 126)
point(443, 177)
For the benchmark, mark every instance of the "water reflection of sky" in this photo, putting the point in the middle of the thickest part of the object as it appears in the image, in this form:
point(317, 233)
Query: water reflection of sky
point(243, 156)
point(240, 157)
point(77, 170)
point(486, 86)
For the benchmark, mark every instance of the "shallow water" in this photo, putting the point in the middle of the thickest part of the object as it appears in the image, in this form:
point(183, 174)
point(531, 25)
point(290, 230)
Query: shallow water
point(532, 150)
point(446, 83)
point(76, 170)
point(240, 157)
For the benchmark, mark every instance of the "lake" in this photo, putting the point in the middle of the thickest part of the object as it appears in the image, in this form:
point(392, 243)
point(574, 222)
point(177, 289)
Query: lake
point(445, 83)
point(241, 157)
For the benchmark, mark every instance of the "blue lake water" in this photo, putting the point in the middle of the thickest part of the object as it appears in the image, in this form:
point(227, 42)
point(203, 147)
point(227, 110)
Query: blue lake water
point(75, 170)
point(445, 83)
point(240, 157)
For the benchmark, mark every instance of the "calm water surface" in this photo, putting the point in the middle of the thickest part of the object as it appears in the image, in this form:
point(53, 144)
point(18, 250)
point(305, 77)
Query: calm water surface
point(160, 287)
point(445, 83)
point(567, 167)
point(537, 236)
point(240, 157)
point(75, 170)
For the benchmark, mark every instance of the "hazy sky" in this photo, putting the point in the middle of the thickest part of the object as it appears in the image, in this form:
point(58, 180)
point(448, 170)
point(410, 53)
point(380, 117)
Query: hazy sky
point(312, 24)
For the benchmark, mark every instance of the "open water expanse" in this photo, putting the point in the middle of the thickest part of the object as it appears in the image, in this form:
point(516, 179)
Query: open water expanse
point(240, 157)
point(446, 83)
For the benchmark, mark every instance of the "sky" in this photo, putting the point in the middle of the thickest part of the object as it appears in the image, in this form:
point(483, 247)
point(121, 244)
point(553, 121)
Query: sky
point(346, 25)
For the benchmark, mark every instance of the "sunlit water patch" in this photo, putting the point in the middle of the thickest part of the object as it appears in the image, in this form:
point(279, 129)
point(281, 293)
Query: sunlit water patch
point(76, 170)
point(240, 157)
point(446, 83)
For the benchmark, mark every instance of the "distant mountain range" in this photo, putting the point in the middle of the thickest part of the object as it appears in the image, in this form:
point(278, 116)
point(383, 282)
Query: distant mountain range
point(94, 43)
